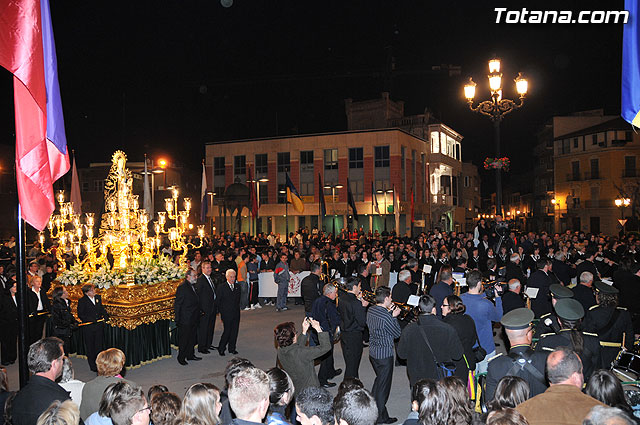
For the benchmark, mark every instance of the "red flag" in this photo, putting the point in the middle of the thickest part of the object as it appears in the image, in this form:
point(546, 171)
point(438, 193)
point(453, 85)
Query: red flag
point(39, 162)
point(412, 220)
point(252, 196)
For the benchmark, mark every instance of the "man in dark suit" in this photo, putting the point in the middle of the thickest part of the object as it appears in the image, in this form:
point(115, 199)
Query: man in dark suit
point(353, 315)
point(92, 314)
point(561, 269)
point(206, 290)
point(187, 311)
point(541, 280)
point(9, 324)
point(514, 269)
point(45, 364)
point(311, 287)
point(229, 305)
point(588, 265)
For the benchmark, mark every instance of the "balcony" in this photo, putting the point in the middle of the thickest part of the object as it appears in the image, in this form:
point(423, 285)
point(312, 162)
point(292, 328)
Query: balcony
point(446, 200)
point(574, 177)
point(599, 203)
point(592, 175)
point(629, 172)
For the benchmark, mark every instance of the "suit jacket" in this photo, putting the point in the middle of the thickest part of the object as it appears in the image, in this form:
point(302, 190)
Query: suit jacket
point(541, 304)
point(35, 398)
point(310, 289)
point(186, 305)
point(206, 294)
point(89, 312)
point(33, 301)
point(558, 405)
point(401, 292)
point(229, 301)
point(563, 271)
point(8, 311)
point(352, 314)
point(383, 279)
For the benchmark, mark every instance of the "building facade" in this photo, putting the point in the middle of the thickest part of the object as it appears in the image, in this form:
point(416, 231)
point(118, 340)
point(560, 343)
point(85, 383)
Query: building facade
point(594, 166)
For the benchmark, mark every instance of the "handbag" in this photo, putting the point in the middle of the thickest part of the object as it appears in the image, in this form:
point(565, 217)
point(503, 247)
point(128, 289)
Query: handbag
point(479, 353)
point(442, 369)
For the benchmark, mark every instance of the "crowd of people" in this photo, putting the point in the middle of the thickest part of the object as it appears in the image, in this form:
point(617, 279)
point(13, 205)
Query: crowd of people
point(564, 304)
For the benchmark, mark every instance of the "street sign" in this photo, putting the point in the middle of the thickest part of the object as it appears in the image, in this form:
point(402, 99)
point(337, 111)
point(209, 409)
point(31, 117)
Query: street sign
point(622, 222)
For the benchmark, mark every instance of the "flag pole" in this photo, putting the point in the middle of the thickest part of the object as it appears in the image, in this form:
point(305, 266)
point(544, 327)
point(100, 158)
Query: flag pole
point(21, 299)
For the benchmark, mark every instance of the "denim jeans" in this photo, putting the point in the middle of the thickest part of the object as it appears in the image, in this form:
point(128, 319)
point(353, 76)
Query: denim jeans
point(244, 294)
point(283, 289)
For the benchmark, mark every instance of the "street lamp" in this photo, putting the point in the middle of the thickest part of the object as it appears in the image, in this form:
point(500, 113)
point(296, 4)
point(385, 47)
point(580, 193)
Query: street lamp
point(496, 108)
point(286, 213)
point(257, 183)
point(333, 188)
point(621, 203)
point(153, 171)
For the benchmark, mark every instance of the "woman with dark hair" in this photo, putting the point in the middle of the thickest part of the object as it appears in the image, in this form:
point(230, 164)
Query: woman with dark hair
point(429, 404)
point(461, 406)
point(295, 357)
point(605, 387)
point(453, 313)
point(510, 391)
point(61, 317)
point(281, 394)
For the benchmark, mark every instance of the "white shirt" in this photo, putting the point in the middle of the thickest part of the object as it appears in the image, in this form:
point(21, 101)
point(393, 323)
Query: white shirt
point(40, 307)
point(93, 299)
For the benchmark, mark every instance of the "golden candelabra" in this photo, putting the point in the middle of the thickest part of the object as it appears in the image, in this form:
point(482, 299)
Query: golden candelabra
point(123, 229)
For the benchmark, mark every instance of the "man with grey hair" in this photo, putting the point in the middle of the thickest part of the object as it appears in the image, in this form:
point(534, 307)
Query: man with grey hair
point(583, 291)
point(561, 269)
point(563, 402)
point(324, 310)
point(514, 269)
point(69, 383)
point(404, 288)
point(45, 364)
point(249, 396)
point(512, 299)
point(601, 415)
point(229, 307)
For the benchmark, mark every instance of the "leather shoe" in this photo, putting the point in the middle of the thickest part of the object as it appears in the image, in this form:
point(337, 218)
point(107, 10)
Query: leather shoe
point(183, 362)
point(221, 352)
point(389, 421)
point(233, 352)
point(205, 351)
point(337, 372)
point(194, 358)
point(213, 347)
point(328, 385)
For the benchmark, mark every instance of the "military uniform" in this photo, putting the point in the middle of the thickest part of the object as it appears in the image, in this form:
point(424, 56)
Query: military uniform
point(522, 360)
point(558, 292)
point(612, 325)
point(590, 356)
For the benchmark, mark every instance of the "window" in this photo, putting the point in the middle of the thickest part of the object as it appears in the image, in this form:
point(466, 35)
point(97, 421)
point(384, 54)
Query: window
point(629, 166)
point(239, 165)
point(282, 193)
point(261, 163)
point(575, 169)
point(331, 159)
point(594, 139)
point(575, 142)
point(306, 160)
point(627, 136)
point(356, 159)
point(98, 185)
point(381, 156)
point(284, 162)
point(218, 166)
point(357, 189)
point(467, 181)
point(595, 169)
point(306, 189)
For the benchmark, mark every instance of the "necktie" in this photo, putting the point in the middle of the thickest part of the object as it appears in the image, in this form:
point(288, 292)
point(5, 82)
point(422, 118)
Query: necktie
point(211, 284)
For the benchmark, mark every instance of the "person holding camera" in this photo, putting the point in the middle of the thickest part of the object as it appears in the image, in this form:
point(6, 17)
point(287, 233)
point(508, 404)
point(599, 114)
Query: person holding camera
point(484, 313)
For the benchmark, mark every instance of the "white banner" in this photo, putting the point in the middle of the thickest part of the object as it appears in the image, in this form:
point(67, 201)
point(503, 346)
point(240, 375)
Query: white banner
point(269, 288)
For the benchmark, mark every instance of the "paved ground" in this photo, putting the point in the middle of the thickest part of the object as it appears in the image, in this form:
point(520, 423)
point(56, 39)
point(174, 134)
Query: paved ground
point(255, 343)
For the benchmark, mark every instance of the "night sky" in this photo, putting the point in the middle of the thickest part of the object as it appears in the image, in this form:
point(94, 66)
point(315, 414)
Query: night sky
point(164, 77)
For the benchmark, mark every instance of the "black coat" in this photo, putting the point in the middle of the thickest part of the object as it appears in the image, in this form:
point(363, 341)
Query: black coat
point(35, 398)
point(186, 305)
point(466, 329)
point(500, 365)
point(590, 356)
point(563, 271)
point(514, 271)
point(89, 312)
point(310, 289)
point(352, 314)
point(8, 311)
point(228, 301)
point(541, 304)
point(511, 301)
point(61, 318)
point(610, 329)
point(401, 292)
point(584, 294)
point(586, 266)
point(33, 301)
point(206, 294)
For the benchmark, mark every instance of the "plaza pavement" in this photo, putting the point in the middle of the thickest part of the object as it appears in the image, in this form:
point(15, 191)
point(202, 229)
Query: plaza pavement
point(256, 343)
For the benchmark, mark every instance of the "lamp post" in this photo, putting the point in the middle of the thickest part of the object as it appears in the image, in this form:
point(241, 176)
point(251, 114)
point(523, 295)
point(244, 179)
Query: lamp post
point(333, 188)
point(153, 171)
point(257, 183)
point(621, 203)
point(386, 210)
point(286, 214)
point(496, 108)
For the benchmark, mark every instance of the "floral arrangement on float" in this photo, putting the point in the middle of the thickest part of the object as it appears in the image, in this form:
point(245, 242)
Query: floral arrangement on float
point(497, 163)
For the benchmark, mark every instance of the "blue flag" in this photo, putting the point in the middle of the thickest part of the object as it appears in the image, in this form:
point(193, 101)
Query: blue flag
point(631, 65)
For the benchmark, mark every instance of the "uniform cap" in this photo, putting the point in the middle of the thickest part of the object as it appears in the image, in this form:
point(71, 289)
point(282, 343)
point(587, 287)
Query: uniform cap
point(569, 309)
point(604, 288)
point(519, 318)
point(558, 291)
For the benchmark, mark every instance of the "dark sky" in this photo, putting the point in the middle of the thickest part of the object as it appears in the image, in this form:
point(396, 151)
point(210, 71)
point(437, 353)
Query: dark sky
point(163, 77)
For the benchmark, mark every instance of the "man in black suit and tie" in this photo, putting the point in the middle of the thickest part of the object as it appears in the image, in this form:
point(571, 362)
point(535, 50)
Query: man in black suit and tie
point(187, 311)
point(229, 305)
point(9, 323)
point(541, 280)
point(206, 290)
point(92, 314)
